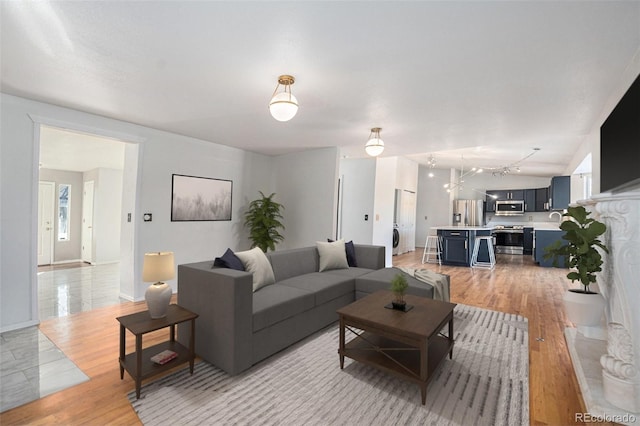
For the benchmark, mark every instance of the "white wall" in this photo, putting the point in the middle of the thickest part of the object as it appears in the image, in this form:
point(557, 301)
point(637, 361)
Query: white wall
point(168, 154)
point(369, 188)
point(406, 174)
point(129, 270)
point(358, 188)
point(432, 203)
point(307, 185)
point(161, 155)
point(107, 212)
point(18, 183)
point(383, 205)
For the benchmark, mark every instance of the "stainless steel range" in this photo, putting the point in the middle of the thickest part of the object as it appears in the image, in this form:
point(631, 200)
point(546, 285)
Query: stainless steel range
point(509, 239)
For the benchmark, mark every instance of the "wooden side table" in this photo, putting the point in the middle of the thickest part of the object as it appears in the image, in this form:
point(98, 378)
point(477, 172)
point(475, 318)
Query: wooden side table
point(138, 363)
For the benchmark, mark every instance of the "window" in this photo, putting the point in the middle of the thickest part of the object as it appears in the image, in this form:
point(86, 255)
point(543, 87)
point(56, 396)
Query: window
point(586, 185)
point(64, 204)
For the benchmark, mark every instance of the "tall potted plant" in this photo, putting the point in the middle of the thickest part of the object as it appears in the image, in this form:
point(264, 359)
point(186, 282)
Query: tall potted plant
point(263, 220)
point(580, 253)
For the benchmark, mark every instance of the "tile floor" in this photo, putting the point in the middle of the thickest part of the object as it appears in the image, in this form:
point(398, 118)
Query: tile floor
point(31, 366)
point(62, 292)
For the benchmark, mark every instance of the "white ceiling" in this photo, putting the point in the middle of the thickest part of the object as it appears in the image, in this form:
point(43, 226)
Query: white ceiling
point(483, 80)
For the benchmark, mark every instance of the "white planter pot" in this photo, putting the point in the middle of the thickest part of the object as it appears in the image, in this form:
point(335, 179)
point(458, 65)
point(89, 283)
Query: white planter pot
point(586, 311)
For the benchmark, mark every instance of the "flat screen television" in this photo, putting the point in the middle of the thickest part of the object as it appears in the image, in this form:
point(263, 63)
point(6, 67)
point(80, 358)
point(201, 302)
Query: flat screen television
point(620, 144)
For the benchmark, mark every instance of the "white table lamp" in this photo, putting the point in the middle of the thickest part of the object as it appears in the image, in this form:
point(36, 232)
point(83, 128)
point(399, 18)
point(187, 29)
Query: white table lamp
point(157, 268)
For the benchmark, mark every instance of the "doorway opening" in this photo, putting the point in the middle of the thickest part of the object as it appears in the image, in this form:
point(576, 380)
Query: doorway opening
point(80, 201)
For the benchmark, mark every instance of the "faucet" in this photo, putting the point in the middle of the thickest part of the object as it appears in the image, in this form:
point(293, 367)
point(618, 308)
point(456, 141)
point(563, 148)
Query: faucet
point(558, 213)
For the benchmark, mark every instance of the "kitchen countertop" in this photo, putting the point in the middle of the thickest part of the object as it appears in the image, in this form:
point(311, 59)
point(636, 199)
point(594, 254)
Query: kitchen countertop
point(464, 228)
point(550, 226)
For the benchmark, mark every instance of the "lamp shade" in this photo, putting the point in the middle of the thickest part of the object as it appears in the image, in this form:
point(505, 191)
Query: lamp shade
point(283, 106)
point(158, 266)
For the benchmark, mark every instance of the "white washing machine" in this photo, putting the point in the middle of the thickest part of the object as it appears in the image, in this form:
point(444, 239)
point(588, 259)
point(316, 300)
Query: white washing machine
point(396, 239)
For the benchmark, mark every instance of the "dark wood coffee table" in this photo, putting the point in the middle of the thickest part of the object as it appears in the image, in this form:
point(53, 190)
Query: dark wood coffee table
point(409, 344)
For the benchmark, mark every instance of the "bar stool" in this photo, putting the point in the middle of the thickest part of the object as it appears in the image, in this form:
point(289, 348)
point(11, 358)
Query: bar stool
point(476, 247)
point(432, 247)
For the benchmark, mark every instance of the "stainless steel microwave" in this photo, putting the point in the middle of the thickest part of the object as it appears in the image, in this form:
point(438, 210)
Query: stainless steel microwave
point(509, 207)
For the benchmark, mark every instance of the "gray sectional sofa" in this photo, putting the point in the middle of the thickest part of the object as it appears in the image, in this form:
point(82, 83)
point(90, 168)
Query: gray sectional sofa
point(238, 327)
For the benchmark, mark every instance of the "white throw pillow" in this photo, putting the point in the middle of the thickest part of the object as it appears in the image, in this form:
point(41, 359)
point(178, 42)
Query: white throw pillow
point(256, 262)
point(332, 255)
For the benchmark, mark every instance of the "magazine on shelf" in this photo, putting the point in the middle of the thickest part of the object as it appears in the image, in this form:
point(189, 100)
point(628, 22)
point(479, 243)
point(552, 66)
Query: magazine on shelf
point(164, 357)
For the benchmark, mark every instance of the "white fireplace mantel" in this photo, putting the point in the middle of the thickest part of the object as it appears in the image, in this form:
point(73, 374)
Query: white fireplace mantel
point(609, 371)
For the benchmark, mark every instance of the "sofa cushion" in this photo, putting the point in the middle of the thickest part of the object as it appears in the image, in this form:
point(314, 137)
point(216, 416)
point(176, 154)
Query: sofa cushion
point(294, 262)
point(381, 280)
point(350, 249)
point(350, 272)
point(332, 255)
point(256, 262)
point(274, 303)
point(323, 285)
point(229, 260)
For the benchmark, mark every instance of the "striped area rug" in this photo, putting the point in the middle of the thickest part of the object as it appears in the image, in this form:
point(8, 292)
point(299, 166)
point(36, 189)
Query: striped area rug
point(486, 382)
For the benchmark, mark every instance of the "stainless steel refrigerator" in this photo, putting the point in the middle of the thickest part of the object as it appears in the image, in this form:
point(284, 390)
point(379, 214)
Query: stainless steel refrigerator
point(468, 212)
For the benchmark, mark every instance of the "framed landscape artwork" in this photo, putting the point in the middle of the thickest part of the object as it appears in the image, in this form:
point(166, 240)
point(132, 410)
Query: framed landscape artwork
point(199, 198)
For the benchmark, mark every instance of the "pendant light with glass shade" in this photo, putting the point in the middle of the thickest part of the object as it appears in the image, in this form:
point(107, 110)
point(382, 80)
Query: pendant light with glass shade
point(374, 145)
point(283, 105)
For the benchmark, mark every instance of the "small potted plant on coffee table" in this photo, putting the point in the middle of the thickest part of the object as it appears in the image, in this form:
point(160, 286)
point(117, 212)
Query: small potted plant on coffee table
point(399, 288)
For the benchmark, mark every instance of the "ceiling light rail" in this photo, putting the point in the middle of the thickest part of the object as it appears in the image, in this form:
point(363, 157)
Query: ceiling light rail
point(458, 184)
point(505, 170)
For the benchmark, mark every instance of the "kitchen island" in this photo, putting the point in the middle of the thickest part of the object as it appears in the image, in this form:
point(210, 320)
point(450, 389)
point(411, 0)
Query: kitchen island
point(545, 238)
point(458, 242)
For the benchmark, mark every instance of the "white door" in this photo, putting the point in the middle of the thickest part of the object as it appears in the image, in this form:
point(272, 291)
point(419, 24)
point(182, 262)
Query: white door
point(46, 203)
point(87, 222)
point(408, 213)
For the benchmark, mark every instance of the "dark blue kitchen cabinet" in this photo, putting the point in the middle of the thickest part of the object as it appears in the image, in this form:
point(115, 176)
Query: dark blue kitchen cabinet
point(560, 192)
point(457, 246)
point(536, 200)
point(502, 194)
point(544, 238)
point(530, 200)
point(542, 199)
point(492, 196)
point(515, 194)
point(527, 241)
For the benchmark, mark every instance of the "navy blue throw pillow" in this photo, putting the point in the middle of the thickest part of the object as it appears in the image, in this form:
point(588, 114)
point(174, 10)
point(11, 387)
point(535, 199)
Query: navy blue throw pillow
point(229, 260)
point(351, 252)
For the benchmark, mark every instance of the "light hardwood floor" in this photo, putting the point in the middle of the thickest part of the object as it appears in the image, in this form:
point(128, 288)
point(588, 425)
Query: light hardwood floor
point(517, 285)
